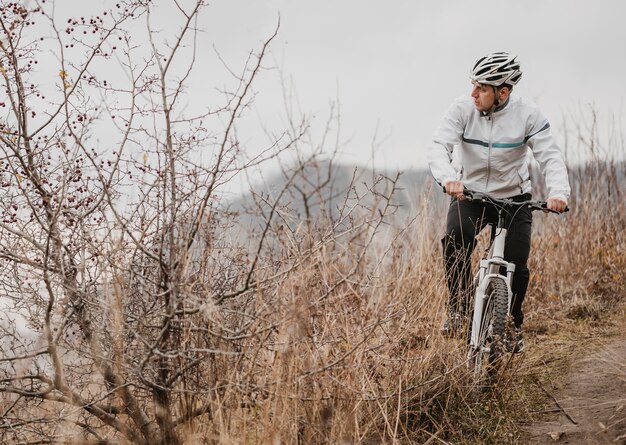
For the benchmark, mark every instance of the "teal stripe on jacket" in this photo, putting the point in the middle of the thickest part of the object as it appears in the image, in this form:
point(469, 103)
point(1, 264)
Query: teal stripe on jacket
point(504, 144)
point(495, 144)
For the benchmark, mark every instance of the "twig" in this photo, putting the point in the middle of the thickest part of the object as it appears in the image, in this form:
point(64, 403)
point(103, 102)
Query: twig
point(546, 411)
point(435, 437)
point(556, 403)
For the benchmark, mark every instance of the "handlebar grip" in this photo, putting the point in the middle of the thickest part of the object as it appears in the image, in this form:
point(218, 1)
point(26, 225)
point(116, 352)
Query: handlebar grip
point(544, 207)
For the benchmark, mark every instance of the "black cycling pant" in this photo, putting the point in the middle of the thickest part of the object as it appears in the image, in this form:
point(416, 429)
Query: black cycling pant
point(465, 220)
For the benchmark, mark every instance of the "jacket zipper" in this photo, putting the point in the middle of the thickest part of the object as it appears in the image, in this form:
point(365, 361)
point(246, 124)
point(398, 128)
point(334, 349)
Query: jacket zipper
point(489, 153)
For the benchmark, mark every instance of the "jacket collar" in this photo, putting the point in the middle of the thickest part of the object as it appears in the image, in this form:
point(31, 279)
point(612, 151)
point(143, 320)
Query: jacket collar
point(496, 109)
point(501, 106)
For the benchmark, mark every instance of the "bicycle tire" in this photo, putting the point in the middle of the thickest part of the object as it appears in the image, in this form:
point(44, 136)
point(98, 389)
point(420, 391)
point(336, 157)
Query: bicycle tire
point(491, 336)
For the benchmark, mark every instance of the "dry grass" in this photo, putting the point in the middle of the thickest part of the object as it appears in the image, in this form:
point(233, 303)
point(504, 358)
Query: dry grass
point(345, 348)
point(365, 363)
point(343, 345)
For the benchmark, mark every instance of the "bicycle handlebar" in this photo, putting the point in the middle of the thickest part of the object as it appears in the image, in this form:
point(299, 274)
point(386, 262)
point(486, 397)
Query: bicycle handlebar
point(532, 204)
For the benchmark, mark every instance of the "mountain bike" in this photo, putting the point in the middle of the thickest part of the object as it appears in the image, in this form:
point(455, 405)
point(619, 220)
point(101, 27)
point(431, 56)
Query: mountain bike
point(491, 327)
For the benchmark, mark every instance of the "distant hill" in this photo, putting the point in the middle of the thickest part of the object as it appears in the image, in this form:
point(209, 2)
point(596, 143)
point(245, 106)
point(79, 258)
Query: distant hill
point(327, 188)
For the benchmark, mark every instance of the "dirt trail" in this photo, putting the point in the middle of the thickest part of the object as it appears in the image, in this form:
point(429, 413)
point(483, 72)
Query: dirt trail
point(590, 408)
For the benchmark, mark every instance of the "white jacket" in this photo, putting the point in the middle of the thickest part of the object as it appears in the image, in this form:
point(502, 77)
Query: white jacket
point(492, 150)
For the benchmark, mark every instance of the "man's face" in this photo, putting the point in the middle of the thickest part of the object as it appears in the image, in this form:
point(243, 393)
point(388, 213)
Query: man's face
point(484, 96)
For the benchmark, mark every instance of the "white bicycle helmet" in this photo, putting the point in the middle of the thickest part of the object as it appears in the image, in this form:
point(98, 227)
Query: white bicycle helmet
point(497, 69)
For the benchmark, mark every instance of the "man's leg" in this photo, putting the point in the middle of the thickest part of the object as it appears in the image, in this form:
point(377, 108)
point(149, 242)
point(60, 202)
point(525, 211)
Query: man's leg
point(517, 250)
point(464, 221)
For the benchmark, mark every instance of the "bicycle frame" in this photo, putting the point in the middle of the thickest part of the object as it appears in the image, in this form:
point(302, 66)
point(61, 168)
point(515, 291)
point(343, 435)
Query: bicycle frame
point(493, 267)
point(489, 269)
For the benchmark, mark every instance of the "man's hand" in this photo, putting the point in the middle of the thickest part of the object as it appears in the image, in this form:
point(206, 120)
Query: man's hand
point(454, 188)
point(557, 204)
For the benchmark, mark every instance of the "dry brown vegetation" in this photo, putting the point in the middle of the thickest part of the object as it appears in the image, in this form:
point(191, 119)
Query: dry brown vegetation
point(138, 308)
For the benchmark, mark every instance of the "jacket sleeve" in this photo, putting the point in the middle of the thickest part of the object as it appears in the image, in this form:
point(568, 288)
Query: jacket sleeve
point(448, 134)
point(549, 156)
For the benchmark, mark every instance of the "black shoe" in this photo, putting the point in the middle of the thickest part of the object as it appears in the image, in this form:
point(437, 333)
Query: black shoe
point(516, 344)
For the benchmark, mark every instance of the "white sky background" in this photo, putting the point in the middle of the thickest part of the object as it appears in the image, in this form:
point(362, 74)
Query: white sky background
point(394, 66)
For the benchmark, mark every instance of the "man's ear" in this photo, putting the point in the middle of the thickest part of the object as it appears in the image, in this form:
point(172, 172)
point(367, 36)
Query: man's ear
point(504, 92)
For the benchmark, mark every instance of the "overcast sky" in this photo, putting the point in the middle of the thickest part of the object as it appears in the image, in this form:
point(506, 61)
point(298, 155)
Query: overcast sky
point(395, 65)
point(399, 63)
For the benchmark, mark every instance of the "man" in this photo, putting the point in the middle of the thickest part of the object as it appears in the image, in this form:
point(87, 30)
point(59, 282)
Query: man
point(492, 132)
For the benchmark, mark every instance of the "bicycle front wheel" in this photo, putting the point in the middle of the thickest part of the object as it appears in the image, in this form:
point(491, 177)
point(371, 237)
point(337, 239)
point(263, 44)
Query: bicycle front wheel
point(491, 337)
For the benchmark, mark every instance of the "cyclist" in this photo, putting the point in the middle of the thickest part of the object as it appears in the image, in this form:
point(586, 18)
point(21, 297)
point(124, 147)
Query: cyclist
point(492, 133)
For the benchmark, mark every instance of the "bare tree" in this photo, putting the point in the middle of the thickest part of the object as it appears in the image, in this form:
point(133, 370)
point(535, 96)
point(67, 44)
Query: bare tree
point(129, 310)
